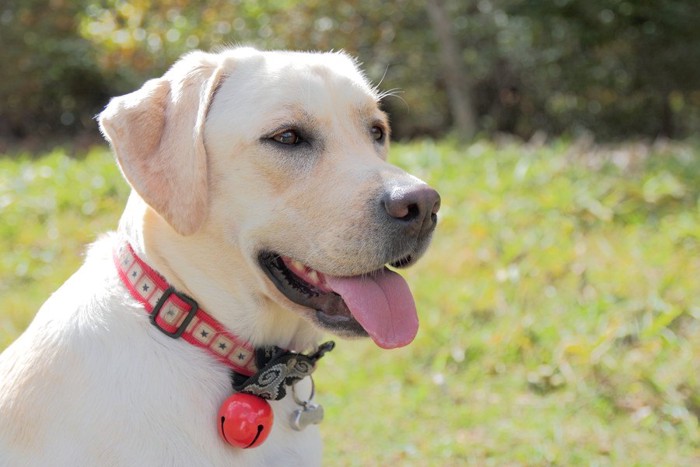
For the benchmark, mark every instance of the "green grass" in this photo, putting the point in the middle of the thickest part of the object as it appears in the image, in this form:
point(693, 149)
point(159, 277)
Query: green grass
point(559, 304)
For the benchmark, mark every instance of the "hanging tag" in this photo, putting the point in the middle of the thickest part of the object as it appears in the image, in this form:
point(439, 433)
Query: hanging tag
point(309, 414)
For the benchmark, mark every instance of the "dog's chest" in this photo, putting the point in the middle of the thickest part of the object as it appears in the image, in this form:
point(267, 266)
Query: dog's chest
point(178, 392)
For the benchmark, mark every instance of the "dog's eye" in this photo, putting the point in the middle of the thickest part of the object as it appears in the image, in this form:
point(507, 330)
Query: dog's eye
point(377, 133)
point(289, 137)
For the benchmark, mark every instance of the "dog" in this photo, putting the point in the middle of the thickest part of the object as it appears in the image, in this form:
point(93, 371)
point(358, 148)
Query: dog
point(261, 197)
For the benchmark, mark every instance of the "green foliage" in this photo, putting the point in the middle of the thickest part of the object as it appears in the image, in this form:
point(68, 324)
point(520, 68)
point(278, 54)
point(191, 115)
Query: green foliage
point(50, 209)
point(50, 82)
point(610, 66)
point(559, 304)
point(615, 68)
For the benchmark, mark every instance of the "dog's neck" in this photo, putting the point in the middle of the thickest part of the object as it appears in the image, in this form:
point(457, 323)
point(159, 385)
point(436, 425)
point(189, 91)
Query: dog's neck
point(217, 277)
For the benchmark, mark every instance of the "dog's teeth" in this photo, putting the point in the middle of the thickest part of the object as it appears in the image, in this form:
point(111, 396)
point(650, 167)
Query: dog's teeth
point(313, 275)
point(298, 265)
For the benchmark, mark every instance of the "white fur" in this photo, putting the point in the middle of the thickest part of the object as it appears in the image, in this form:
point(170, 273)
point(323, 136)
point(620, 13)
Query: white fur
point(91, 382)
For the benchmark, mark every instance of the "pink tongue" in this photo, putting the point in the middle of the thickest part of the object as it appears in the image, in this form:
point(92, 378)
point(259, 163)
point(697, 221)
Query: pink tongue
point(382, 303)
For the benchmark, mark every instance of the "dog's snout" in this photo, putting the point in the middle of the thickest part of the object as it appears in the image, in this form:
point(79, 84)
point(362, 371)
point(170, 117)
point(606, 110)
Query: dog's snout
point(415, 206)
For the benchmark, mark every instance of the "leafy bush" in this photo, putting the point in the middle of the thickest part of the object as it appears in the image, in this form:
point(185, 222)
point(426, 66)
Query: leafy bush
point(50, 83)
point(613, 68)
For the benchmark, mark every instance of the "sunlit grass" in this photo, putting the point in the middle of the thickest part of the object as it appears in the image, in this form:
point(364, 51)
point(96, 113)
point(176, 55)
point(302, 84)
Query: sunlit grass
point(559, 304)
point(50, 208)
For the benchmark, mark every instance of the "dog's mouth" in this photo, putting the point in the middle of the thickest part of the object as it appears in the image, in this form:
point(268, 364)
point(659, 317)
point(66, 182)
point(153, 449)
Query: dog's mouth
point(378, 303)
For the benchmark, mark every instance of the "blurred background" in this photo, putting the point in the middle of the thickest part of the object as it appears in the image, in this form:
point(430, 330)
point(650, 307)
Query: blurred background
point(612, 68)
point(560, 300)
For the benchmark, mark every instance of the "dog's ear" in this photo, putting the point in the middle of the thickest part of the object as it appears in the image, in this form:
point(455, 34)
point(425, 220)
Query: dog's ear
point(157, 136)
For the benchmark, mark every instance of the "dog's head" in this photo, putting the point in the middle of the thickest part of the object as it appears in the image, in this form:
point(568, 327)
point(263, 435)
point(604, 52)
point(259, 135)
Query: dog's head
point(276, 161)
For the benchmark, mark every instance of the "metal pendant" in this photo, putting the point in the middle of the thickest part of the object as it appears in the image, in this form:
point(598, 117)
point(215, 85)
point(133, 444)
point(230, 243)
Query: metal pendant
point(308, 413)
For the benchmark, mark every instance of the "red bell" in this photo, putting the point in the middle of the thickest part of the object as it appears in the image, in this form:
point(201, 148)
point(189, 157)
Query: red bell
point(245, 420)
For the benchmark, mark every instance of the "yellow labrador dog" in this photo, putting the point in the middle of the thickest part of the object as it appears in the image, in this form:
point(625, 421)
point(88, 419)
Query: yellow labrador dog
point(263, 214)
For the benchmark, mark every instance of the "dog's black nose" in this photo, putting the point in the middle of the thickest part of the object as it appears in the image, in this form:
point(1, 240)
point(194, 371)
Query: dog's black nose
point(414, 206)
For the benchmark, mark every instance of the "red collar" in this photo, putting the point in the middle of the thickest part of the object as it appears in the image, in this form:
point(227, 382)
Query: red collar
point(178, 315)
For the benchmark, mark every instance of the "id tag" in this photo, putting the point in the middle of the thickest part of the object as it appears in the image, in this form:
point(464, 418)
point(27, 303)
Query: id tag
point(309, 414)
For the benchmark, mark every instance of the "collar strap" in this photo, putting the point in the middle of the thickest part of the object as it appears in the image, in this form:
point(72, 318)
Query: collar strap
point(179, 316)
point(278, 368)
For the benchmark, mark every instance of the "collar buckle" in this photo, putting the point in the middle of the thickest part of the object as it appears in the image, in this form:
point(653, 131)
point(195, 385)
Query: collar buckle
point(179, 330)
